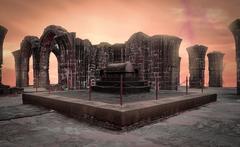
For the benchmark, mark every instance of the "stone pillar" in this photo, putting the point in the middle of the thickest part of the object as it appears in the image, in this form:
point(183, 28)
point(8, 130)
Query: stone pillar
point(235, 29)
point(165, 59)
point(25, 70)
point(215, 61)
point(197, 55)
point(178, 70)
point(18, 71)
point(3, 32)
point(44, 67)
point(134, 52)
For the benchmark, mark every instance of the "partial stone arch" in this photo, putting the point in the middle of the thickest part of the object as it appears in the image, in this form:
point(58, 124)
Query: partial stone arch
point(29, 47)
point(52, 40)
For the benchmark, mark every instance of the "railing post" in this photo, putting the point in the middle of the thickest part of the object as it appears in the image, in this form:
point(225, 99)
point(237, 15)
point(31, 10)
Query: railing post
point(156, 87)
point(186, 84)
point(90, 90)
point(176, 84)
point(49, 86)
point(36, 82)
point(121, 88)
point(68, 83)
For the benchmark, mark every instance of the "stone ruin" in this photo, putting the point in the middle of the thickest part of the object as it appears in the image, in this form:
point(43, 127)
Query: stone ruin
point(78, 60)
point(196, 60)
point(235, 29)
point(29, 47)
point(4, 89)
point(215, 61)
point(3, 32)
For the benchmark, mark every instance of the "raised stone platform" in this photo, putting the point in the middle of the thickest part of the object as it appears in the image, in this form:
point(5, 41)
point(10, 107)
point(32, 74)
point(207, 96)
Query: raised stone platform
point(129, 87)
point(119, 117)
point(113, 74)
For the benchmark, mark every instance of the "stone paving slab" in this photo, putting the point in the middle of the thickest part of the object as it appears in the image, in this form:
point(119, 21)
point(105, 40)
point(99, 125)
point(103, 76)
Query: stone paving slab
point(216, 124)
point(20, 111)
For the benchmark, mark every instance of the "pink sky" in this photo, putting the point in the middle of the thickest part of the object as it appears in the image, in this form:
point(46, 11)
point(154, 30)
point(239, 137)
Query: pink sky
point(114, 21)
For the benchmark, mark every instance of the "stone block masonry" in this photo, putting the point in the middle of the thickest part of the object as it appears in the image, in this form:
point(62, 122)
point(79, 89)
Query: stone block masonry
point(3, 32)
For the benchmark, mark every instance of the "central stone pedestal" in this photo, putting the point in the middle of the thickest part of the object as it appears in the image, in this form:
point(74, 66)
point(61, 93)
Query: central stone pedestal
point(110, 81)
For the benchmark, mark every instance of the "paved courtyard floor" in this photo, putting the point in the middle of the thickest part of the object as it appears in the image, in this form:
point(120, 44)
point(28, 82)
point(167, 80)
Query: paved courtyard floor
point(216, 124)
point(115, 98)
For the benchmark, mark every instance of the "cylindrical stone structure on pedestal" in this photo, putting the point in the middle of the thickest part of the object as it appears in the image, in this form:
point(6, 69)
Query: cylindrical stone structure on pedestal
point(197, 55)
point(215, 62)
point(18, 71)
point(235, 29)
point(3, 32)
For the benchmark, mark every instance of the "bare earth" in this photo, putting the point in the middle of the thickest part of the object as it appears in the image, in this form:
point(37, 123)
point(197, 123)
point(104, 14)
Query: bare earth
point(216, 124)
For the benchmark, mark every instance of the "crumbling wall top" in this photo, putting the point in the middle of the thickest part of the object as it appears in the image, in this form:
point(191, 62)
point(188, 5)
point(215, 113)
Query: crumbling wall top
point(3, 29)
point(216, 53)
point(166, 37)
point(139, 36)
point(235, 26)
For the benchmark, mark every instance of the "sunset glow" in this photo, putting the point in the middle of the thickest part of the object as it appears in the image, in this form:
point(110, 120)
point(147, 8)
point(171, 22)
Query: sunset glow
point(114, 21)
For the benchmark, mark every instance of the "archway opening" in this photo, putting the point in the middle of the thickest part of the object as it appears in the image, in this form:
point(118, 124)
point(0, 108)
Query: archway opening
point(53, 69)
point(30, 72)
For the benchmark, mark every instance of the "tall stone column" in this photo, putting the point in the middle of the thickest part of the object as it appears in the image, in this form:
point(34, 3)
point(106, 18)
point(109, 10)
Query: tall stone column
point(18, 71)
point(215, 61)
point(235, 28)
point(178, 70)
point(3, 32)
point(197, 55)
point(165, 60)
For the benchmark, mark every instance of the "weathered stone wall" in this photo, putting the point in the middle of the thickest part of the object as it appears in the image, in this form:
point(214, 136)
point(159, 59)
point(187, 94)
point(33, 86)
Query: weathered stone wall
point(81, 64)
point(49, 44)
point(29, 47)
point(235, 28)
point(3, 32)
point(215, 61)
point(103, 55)
point(66, 55)
point(196, 60)
point(136, 51)
point(155, 57)
point(86, 60)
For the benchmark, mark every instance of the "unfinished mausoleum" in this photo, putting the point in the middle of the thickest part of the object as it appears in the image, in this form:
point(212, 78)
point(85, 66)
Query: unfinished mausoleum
point(78, 60)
